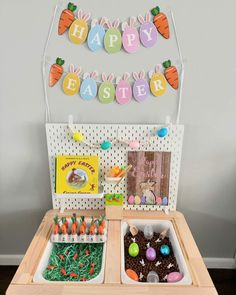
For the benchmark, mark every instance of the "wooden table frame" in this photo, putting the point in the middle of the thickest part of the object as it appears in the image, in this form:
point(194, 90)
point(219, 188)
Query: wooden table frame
point(22, 282)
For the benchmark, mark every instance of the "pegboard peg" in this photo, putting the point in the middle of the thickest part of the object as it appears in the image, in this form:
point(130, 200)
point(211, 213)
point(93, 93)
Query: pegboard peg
point(168, 121)
point(70, 123)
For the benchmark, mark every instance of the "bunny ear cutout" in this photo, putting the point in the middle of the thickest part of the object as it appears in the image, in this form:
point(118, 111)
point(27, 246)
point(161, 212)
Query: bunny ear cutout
point(80, 14)
point(78, 71)
point(108, 22)
point(124, 25)
point(87, 16)
point(141, 19)
point(86, 75)
point(135, 76)
point(94, 22)
point(103, 21)
point(94, 74)
point(142, 74)
point(104, 77)
point(132, 21)
point(111, 77)
point(150, 74)
point(72, 68)
point(148, 17)
point(126, 76)
point(116, 23)
point(158, 68)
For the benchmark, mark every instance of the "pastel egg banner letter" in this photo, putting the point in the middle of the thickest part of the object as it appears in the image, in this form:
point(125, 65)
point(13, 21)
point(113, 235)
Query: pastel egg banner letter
point(106, 92)
point(96, 38)
point(71, 84)
point(141, 90)
point(123, 92)
point(112, 40)
point(88, 89)
point(148, 32)
point(79, 29)
point(130, 37)
point(158, 84)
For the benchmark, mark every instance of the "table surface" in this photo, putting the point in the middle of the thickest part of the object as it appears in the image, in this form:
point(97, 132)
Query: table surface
point(22, 281)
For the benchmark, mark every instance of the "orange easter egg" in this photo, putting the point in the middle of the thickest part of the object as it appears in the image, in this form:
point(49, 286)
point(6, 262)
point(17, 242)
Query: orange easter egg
point(132, 274)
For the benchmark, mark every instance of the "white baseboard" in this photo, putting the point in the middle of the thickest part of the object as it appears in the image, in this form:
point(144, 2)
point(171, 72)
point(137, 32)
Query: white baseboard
point(224, 263)
point(211, 262)
point(11, 259)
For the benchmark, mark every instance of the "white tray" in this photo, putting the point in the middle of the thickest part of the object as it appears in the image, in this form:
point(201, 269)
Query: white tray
point(43, 263)
point(158, 226)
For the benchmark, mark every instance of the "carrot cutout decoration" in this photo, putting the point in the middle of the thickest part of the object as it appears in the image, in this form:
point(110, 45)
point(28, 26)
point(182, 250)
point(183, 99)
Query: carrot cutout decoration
point(160, 20)
point(73, 226)
point(56, 225)
point(56, 72)
point(171, 74)
point(66, 19)
point(92, 227)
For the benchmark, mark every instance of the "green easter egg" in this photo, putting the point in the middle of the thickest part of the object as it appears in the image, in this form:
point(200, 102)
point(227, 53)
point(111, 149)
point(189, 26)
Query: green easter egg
point(112, 40)
point(133, 249)
point(106, 92)
point(106, 145)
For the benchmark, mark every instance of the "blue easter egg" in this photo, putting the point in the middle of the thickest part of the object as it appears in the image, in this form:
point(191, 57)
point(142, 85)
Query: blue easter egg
point(106, 145)
point(95, 38)
point(162, 132)
point(165, 201)
point(165, 250)
point(88, 89)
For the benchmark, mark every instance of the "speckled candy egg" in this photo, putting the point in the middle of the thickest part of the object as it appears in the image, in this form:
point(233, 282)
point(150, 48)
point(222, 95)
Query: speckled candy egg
point(174, 277)
point(133, 249)
point(141, 90)
point(151, 254)
point(162, 132)
point(123, 92)
point(137, 200)
point(165, 201)
point(148, 34)
point(131, 200)
point(143, 200)
point(106, 145)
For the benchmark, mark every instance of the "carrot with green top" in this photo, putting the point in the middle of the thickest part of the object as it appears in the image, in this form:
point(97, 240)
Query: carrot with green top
point(56, 72)
point(83, 222)
point(171, 74)
point(56, 225)
point(75, 218)
point(92, 227)
point(66, 19)
point(160, 20)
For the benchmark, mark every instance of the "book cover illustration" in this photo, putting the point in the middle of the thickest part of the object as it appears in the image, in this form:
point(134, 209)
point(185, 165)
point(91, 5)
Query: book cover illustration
point(148, 180)
point(77, 174)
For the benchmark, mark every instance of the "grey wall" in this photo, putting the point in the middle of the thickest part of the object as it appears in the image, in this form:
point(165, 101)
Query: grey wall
point(207, 191)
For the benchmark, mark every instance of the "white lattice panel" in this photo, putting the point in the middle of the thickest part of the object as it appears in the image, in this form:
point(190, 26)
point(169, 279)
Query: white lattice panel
point(60, 143)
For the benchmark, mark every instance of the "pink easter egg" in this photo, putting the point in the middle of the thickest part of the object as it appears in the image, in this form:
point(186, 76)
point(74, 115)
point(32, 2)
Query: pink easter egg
point(148, 34)
point(130, 39)
point(159, 200)
point(134, 144)
point(174, 277)
point(123, 92)
point(131, 200)
point(141, 90)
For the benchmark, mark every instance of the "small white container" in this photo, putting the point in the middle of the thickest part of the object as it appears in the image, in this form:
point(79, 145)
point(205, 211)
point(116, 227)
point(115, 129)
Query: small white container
point(158, 226)
point(43, 263)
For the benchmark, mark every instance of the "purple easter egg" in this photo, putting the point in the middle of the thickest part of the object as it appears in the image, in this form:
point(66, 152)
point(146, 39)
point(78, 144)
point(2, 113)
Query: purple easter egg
point(151, 254)
point(130, 39)
point(159, 200)
point(123, 92)
point(131, 200)
point(141, 90)
point(174, 277)
point(143, 200)
point(148, 34)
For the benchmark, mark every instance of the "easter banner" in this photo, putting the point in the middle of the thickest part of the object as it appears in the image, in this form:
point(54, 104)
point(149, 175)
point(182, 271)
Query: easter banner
point(113, 36)
point(120, 89)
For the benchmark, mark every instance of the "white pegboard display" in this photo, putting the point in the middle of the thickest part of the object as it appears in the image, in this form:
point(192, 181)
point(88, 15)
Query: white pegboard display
point(60, 142)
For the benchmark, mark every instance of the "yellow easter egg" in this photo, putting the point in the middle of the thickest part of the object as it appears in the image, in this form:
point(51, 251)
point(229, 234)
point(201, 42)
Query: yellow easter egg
point(158, 84)
point(78, 31)
point(71, 84)
point(137, 200)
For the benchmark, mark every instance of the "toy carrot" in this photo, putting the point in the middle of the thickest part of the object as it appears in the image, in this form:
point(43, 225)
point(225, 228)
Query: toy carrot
point(92, 227)
point(101, 230)
point(103, 220)
point(65, 221)
point(82, 219)
point(56, 72)
point(161, 22)
point(64, 229)
point(73, 226)
point(171, 74)
point(56, 225)
point(82, 229)
point(74, 275)
point(75, 217)
point(66, 19)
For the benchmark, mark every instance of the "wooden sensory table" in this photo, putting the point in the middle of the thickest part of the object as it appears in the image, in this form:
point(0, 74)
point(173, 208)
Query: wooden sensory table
point(22, 282)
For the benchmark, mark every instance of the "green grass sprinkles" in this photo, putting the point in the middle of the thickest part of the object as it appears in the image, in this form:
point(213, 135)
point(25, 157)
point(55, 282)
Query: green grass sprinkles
point(74, 262)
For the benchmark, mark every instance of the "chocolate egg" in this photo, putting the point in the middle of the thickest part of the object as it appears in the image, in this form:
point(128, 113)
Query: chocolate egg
point(151, 254)
point(133, 249)
point(165, 250)
point(132, 274)
point(174, 277)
